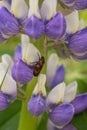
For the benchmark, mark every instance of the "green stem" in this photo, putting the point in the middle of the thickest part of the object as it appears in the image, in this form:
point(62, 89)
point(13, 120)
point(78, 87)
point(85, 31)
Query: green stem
point(27, 121)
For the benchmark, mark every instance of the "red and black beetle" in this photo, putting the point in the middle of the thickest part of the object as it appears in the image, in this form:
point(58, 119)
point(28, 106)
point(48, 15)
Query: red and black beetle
point(38, 66)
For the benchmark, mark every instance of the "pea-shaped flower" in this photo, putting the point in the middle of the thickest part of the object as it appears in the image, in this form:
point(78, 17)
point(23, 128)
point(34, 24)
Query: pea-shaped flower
point(77, 45)
point(55, 74)
point(8, 88)
point(9, 26)
point(37, 103)
point(34, 25)
point(26, 56)
point(76, 37)
point(61, 111)
point(45, 20)
point(55, 24)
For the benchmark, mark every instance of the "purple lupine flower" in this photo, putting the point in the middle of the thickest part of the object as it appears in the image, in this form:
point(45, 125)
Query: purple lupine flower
point(3, 101)
point(55, 74)
point(8, 90)
point(8, 24)
point(37, 103)
point(59, 104)
point(25, 58)
point(49, 22)
point(62, 114)
point(56, 27)
point(77, 4)
point(54, 22)
point(21, 73)
point(80, 103)
point(34, 25)
point(77, 44)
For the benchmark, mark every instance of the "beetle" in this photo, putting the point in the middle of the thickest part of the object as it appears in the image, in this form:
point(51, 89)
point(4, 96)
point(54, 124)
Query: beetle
point(38, 66)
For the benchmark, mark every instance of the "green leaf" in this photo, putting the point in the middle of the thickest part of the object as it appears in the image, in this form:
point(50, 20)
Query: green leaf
point(9, 118)
point(80, 121)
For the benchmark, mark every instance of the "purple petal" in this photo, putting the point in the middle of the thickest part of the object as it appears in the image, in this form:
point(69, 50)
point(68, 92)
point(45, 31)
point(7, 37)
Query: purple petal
point(8, 24)
point(78, 42)
point(9, 1)
point(1, 38)
point(68, 2)
point(34, 27)
point(18, 53)
point(3, 101)
point(59, 76)
point(79, 57)
point(80, 103)
point(61, 115)
point(37, 105)
point(56, 27)
point(80, 4)
point(67, 127)
point(21, 73)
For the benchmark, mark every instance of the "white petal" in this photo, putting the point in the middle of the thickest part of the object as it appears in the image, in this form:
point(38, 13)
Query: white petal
point(6, 59)
point(9, 86)
point(34, 9)
point(7, 62)
point(40, 86)
point(70, 92)
point(48, 9)
point(72, 22)
point(2, 74)
point(56, 95)
point(51, 66)
point(5, 36)
point(3, 67)
point(30, 54)
point(19, 8)
point(5, 4)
